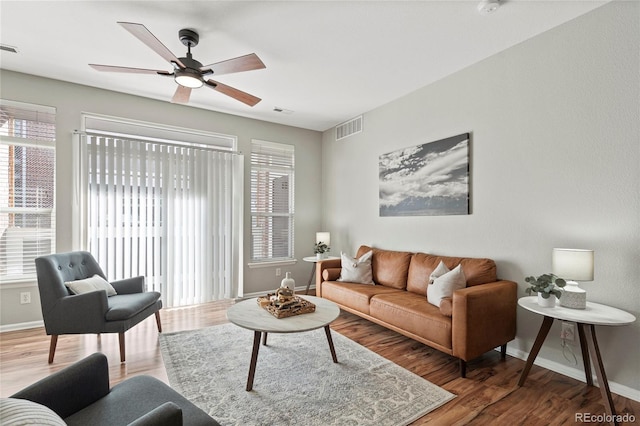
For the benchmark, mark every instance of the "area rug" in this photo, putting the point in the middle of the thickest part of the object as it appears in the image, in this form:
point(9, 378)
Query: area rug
point(296, 381)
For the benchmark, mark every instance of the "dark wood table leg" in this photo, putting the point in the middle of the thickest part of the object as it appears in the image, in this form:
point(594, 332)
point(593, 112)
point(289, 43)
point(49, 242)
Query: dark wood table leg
point(592, 342)
point(254, 359)
point(584, 348)
point(264, 338)
point(327, 330)
point(313, 272)
point(542, 334)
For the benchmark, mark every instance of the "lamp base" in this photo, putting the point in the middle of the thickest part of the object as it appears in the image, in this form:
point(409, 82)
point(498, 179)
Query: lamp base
point(573, 296)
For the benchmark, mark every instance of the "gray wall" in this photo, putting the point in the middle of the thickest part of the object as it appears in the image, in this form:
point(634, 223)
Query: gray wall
point(555, 162)
point(71, 100)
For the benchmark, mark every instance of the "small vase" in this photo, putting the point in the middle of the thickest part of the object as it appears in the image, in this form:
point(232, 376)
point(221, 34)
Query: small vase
point(320, 256)
point(289, 282)
point(547, 303)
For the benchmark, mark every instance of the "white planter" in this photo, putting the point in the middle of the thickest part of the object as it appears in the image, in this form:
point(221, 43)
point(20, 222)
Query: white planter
point(547, 303)
point(320, 256)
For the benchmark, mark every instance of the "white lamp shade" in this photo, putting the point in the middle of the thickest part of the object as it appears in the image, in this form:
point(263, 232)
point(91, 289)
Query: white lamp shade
point(572, 264)
point(323, 237)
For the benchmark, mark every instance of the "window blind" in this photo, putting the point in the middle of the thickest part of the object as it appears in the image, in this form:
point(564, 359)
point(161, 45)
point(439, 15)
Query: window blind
point(27, 188)
point(272, 201)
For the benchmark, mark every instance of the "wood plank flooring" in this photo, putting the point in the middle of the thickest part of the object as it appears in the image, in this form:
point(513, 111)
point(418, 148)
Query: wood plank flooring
point(487, 396)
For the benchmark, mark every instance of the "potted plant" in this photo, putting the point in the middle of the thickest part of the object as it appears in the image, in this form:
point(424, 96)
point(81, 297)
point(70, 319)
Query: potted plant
point(320, 249)
point(548, 287)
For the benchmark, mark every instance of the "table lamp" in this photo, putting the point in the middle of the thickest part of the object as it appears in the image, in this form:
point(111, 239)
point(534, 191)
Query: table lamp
point(573, 265)
point(323, 237)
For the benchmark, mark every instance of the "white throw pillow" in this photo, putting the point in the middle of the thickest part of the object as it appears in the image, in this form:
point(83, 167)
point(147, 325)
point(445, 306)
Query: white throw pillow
point(440, 270)
point(20, 412)
point(444, 285)
point(356, 270)
point(95, 283)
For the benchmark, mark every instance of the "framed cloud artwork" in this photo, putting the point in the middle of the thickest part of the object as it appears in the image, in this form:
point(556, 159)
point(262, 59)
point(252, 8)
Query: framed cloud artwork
point(431, 179)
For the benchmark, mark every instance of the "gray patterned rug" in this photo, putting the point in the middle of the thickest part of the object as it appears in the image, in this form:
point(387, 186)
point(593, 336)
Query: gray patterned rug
point(296, 382)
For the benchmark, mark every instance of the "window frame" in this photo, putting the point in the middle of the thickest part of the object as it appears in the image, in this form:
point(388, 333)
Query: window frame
point(284, 156)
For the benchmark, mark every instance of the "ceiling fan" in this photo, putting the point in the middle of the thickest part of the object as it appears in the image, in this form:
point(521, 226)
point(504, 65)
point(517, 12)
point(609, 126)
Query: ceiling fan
point(187, 72)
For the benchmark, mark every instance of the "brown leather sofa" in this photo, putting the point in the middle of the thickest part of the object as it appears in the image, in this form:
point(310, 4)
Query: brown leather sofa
point(475, 320)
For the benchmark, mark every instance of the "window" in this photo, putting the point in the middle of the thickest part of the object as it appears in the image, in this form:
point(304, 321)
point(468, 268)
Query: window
point(272, 201)
point(169, 210)
point(27, 188)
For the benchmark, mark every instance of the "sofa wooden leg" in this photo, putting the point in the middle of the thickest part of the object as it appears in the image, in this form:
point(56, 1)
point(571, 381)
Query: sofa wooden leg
point(121, 339)
point(503, 351)
point(463, 368)
point(158, 322)
point(52, 347)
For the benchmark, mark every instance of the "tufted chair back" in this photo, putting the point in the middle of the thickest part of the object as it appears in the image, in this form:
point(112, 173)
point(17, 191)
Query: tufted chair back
point(56, 269)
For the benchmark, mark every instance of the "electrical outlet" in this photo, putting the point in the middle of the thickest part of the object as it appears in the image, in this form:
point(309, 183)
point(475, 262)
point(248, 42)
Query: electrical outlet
point(25, 297)
point(278, 272)
point(568, 331)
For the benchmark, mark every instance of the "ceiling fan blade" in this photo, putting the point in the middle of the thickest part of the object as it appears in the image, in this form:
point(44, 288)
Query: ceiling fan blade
point(145, 36)
point(111, 68)
point(182, 95)
point(243, 63)
point(234, 93)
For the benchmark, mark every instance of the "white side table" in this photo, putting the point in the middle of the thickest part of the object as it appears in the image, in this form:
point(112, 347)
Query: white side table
point(594, 314)
point(314, 260)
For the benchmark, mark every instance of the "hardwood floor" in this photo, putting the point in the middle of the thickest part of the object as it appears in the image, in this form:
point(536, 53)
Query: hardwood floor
point(487, 396)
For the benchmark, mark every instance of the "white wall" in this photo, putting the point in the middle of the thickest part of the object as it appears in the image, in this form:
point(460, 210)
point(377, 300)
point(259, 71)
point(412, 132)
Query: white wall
point(555, 162)
point(71, 100)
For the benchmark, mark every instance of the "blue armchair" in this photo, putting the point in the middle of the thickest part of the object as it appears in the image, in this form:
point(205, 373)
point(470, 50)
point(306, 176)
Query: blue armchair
point(93, 312)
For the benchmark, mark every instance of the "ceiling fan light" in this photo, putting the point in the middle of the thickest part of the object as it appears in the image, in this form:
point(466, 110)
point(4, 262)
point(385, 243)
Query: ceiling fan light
point(188, 80)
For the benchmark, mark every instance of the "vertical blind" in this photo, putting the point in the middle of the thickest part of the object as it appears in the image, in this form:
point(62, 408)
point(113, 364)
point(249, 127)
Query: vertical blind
point(167, 212)
point(27, 187)
point(272, 201)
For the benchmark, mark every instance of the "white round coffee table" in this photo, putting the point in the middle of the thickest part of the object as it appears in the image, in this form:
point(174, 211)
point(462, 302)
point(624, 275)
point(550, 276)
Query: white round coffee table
point(248, 314)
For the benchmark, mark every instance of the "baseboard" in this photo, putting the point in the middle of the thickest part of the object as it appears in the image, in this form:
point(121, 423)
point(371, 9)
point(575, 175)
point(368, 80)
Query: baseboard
point(574, 373)
point(21, 326)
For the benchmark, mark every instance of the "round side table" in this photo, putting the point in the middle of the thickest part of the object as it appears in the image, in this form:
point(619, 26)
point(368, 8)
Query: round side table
point(586, 320)
point(314, 260)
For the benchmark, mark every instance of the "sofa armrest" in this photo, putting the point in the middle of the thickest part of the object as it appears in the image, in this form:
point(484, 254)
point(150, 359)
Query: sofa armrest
point(483, 318)
point(320, 267)
point(168, 414)
point(72, 388)
point(129, 285)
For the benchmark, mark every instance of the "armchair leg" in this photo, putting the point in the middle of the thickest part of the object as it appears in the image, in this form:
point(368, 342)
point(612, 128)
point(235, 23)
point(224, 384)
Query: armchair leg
point(52, 347)
point(158, 322)
point(121, 339)
point(503, 351)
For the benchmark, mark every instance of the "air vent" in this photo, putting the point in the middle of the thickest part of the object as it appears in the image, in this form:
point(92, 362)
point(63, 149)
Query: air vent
point(349, 128)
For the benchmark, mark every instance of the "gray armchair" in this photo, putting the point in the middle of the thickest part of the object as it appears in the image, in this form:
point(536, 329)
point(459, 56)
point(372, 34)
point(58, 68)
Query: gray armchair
point(93, 312)
point(80, 394)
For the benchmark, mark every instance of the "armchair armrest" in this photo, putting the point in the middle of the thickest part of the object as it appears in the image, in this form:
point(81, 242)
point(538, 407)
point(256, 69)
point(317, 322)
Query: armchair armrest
point(80, 313)
point(320, 267)
point(168, 414)
point(72, 388)
point(129, 285)
point(483, 318)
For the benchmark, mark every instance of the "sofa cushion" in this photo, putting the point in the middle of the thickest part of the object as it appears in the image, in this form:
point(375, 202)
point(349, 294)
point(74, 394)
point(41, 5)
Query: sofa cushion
point(413, 313)
point(476, 270)
point(122, 307)
point(354, 296)
point(22, 412)
point(133, 398)
point(356, 270)
point(445, 284)
point(390, 268)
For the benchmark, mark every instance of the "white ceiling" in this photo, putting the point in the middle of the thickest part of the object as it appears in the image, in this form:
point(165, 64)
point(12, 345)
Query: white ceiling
point(327, 61)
